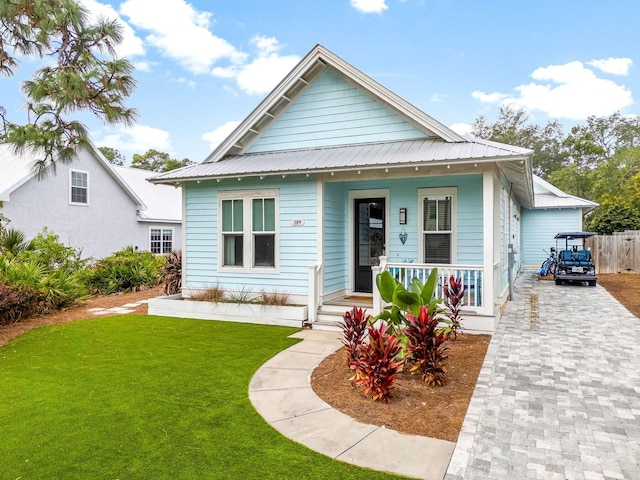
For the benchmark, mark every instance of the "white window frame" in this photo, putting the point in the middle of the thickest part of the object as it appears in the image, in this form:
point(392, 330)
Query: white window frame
point(247, 197)
point(439, 192)
point(162, 230)
point(71, 187)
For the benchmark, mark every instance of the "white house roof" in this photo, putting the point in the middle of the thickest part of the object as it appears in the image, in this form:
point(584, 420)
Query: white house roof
point(15, 169)
point(163, 202)
point(548, 196)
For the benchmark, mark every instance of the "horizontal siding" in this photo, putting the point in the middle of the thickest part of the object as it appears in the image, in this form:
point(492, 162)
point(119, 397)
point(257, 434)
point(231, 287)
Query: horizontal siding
point(298, 245)
point(540, 226)
point(335, 250)
point(332, 111)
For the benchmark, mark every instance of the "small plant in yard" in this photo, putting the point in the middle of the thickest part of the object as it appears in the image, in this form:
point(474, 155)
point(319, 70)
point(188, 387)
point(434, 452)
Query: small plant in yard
point(454, 300)
point(354, 326)
point(17, 302)
point(213, 294)
point(273, 298)
point(426, 347)
point(379, 363)
point(172, 273)
point(242, 296)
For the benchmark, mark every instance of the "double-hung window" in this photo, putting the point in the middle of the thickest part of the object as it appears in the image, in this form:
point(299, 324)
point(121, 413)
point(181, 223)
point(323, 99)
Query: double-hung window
point(437, 237)
point(78, 187)
point(160, 240)
point(248, 233)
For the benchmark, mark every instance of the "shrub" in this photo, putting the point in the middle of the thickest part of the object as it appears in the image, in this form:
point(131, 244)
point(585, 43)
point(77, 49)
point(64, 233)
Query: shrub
point(426, 347)
point(172, 273)
point(273, 298)
point(125, 271)
point(454, 300)
point(244, 295)
point(47, 250)
point(354, 326)
point(212, 294)
point(379, 363)
point(17, 303)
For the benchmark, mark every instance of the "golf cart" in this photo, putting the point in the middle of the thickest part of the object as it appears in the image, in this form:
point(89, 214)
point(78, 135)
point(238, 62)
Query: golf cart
point(574, 261)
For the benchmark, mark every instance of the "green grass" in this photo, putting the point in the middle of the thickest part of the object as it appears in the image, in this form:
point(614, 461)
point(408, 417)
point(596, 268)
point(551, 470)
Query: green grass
point(139, 397)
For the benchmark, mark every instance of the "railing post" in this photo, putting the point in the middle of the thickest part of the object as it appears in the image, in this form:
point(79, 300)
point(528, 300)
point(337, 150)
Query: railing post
point(313, 293)
point(377, 299)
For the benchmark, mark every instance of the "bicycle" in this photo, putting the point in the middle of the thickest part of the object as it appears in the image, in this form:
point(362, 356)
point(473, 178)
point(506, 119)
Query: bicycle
point(550, 264)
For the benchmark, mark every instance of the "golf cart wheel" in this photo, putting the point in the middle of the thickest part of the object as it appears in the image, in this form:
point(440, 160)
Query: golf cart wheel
point(558, 281)
point(592, 283)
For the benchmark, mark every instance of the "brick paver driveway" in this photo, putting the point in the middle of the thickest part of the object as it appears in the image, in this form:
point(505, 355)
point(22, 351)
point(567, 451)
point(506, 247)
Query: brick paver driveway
point(559, 393)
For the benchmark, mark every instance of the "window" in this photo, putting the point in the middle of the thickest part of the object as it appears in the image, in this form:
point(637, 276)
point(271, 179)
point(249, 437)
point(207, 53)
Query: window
point(79, 187)
point(248, 229)
point(160, 240)
point(437, 227)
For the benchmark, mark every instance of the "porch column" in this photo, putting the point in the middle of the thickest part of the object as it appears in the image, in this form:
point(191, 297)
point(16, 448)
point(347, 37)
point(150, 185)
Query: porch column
point(488, 239)
point(377, 299)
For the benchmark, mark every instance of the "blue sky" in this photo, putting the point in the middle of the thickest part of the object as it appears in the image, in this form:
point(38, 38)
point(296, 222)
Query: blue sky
point(202, 66)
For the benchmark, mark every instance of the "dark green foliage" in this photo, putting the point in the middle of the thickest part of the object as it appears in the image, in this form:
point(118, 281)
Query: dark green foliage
point(453, 301)
point(379, 363)
point(172, 273)
point(125, 271)
point(12, 242)
point(114, 156)
point(17, 302)
point(354, 326)
point(613, 217)
point(81, 74)
point(158, 161)
point(426, 347)
point(47, 250)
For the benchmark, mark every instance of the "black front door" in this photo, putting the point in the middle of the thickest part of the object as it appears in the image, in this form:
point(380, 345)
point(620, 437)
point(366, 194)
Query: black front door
point(369, 239)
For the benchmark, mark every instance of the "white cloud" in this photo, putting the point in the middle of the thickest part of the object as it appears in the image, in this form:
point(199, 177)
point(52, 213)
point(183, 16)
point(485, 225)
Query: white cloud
point(131, 45)
point(369, 6)
point(187, 82)
point(136, 139)
point(264, 72)
point(614, 66)
point(181, 33)
point(461, 128)
point(215, 137)
point(565, 91)
point(437, 97)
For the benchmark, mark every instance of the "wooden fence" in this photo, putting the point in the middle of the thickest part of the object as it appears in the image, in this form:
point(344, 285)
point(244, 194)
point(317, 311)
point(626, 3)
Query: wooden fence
point(617, 253)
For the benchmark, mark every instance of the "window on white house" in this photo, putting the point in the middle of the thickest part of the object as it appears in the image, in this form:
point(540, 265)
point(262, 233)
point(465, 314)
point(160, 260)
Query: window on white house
point(79, 187)
point(437, 229)
point(249, 234)
point(160, 240)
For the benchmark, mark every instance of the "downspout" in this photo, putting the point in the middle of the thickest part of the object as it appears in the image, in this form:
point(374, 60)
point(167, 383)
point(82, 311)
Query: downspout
point(510, 249)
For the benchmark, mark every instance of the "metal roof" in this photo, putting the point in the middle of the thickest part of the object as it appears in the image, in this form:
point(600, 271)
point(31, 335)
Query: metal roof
point(163, 202)
point(15, 169)
point(553, 197)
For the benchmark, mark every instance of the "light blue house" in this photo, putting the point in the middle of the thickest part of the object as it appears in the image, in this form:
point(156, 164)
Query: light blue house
point(333, 178)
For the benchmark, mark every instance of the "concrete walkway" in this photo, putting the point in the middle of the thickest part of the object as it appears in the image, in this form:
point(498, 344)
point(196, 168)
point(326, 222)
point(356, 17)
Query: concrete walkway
point(559, 393)
point(558, 397)
point(282, 394)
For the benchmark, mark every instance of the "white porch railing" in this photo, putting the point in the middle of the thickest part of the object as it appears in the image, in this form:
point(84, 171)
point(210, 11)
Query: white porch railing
point(472, 279)
point(315, 276)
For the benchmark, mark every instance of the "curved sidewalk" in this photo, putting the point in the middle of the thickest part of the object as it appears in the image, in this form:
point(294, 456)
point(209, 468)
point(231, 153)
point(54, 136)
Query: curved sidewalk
point(281, 392)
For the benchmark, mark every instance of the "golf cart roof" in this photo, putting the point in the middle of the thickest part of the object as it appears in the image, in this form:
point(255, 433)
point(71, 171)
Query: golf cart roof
point(572, 235)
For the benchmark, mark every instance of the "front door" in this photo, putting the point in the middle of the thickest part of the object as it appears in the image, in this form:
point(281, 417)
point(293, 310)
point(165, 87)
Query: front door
point(369, 240)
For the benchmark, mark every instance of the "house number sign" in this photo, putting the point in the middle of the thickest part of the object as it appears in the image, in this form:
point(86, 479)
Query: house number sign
point(297, 222)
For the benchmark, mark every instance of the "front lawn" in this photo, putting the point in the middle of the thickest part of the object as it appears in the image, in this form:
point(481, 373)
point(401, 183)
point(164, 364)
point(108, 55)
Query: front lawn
point(139, 397)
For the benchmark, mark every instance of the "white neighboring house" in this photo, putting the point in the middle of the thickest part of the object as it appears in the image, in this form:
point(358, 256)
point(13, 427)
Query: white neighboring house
point(91, 204)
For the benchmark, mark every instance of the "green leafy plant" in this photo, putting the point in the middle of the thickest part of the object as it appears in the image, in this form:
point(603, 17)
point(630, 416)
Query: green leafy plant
point(126, 270)
point(453, 301)
point(13, 241)
point(17, 302)
point(426, 347)
point(172, 273)
point(403, 301)
point(354, 326)
point(379, 363)
point(273, 298)
point(47, 249)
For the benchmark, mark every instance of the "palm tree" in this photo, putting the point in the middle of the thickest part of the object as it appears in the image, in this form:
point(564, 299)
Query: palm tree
point(13, 241)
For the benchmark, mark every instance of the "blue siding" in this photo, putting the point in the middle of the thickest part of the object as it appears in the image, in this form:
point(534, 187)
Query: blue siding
point(298, 245)
point(540, 226)
point(332, 111)
point(335, 254)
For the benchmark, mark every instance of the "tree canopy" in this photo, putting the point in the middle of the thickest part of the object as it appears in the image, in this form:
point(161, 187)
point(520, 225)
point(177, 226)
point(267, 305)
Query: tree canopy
point(158, 161)
point(598, 160)
point(113, 155)
point(81, 74)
